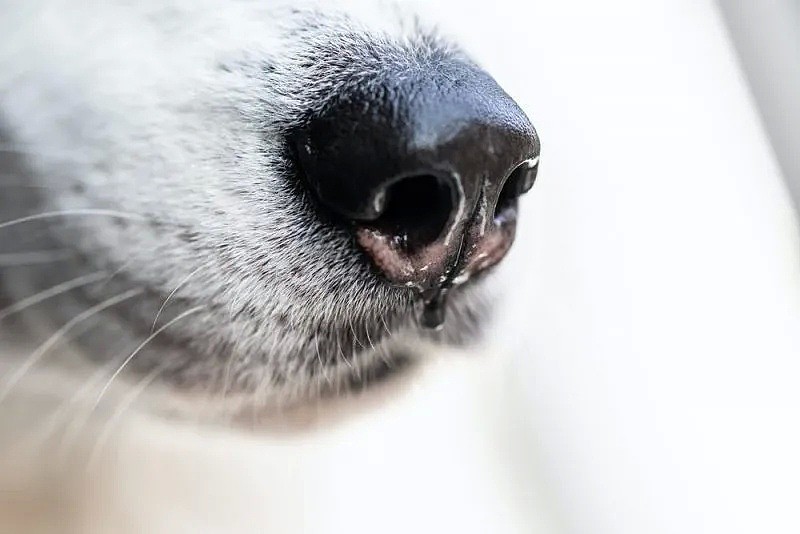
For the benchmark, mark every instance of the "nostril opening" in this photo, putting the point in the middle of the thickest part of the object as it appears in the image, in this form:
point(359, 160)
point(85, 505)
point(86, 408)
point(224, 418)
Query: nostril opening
point(416, 211)
point(518, 183)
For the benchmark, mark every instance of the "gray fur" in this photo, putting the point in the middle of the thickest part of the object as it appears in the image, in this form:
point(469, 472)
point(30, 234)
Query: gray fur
point(174, 111)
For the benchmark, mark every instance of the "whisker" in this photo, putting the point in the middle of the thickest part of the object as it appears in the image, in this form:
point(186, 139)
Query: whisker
point(369, 338)
point(123, 406)
point(73, 423)
point(54, 214)
point(113, 275)
point(34, 257)
point(49, 293)
point(140, 347)
point(177, 288)
point(385, 326)
point(39, 353)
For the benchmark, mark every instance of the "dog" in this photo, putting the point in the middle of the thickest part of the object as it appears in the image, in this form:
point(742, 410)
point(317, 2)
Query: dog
point(220, 215)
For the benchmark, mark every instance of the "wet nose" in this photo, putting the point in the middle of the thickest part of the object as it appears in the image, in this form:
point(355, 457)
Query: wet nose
point(426, 162)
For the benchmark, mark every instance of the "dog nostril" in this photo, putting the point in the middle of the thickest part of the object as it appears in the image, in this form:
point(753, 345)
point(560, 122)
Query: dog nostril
point(518, 183)
point(415, 211)
point(415, 159)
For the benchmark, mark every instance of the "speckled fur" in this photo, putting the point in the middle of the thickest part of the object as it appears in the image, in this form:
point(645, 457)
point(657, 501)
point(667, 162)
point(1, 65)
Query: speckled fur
point(174, 112)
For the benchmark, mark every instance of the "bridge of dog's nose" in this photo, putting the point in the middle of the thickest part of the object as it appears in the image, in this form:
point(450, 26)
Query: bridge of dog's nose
point(427, 161)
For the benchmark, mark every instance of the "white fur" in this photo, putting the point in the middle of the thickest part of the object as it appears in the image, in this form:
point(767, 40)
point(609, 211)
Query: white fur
point(174, 114)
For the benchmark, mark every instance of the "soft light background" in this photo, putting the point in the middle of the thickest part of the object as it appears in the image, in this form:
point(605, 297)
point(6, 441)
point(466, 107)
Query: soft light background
point(766, 35)
point(658, 285)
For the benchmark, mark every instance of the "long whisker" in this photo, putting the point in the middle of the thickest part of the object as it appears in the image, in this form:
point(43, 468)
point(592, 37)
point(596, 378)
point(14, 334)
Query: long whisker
point(122, 407)
point(76, 422)
point(140, 347)
point(385, 326)
point(39, 353)
point(113, 275)
point(50, 292)
point(73, 422)
point(90, 212)
point(177, 288)
point(369, 338)
point(34, 257)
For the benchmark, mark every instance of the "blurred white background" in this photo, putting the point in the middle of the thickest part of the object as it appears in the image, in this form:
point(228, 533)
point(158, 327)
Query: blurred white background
point(766, 35)
point(658, 280)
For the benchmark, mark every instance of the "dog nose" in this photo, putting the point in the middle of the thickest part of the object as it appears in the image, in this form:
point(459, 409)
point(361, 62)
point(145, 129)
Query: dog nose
point(426, 161)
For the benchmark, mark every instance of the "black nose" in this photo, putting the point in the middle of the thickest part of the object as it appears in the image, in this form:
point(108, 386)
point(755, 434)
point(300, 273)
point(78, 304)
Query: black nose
point(427, 162)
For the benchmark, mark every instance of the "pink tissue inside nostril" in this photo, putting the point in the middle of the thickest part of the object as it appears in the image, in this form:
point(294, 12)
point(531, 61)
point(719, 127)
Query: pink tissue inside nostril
point(438, 264)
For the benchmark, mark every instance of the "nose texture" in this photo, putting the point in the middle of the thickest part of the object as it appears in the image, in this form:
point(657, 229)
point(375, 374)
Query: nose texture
point(426, 161)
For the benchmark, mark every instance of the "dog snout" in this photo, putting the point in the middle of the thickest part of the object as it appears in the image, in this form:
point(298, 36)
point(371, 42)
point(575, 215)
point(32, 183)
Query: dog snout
point(426, 161)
